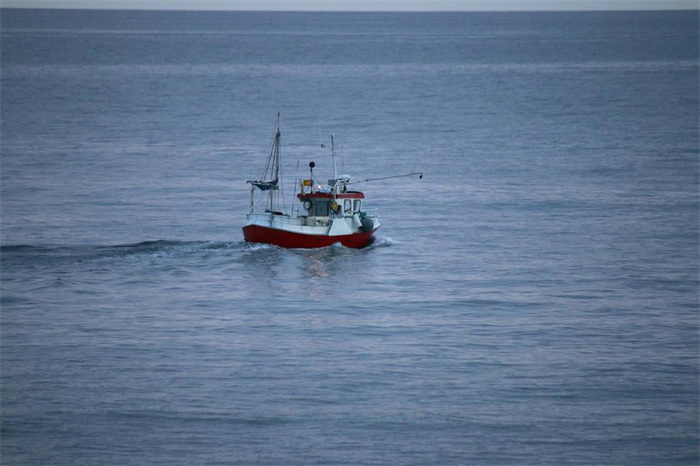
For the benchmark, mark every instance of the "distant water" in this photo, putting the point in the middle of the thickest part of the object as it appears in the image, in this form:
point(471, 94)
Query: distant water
point(532, 300)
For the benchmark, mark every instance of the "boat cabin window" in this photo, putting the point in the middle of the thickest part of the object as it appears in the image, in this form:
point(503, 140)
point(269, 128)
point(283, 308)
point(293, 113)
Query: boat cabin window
point(347, 205)
point(356, 205)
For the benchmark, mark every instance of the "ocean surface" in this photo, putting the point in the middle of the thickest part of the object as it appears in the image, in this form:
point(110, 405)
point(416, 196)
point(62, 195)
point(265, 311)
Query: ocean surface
point(532, 300)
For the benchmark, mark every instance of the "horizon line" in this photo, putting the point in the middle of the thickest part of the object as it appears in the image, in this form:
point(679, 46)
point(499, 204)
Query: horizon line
point(295, 10)
point(359, 6)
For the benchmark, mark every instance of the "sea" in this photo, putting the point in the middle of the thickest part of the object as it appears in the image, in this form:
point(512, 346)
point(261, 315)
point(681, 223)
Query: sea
point(532, 300)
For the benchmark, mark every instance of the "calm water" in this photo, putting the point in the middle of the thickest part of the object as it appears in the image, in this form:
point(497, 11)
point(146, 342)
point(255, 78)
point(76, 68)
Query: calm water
point(532, 300)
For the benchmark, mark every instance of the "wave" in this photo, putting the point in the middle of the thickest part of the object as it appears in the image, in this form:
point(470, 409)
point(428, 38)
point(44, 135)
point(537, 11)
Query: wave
point(18, 247)
point(257, 246)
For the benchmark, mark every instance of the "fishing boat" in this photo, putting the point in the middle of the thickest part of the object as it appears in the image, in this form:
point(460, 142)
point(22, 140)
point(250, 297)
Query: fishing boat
point(321, 215)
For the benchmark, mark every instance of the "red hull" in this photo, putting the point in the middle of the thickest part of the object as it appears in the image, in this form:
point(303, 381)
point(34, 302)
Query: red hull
point(286, 239)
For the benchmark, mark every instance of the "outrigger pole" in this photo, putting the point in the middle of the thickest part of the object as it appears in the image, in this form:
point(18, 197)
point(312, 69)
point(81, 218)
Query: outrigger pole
point(420, 176)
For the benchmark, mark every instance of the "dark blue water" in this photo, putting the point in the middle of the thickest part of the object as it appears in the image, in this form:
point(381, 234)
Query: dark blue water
point(532, 300)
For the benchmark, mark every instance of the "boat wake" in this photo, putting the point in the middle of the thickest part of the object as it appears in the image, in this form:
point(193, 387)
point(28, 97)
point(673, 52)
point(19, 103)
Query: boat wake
point(153, 249)
point(381, 242)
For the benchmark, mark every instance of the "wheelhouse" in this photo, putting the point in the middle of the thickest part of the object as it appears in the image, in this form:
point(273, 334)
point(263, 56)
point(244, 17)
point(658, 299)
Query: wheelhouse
point(324, 205)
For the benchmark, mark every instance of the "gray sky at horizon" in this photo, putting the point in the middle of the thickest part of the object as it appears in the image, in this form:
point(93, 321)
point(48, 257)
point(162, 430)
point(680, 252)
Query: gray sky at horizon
point(361, 5)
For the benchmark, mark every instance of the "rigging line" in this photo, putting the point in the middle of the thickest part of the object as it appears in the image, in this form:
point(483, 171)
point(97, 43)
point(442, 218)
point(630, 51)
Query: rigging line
point(269, 159)
point(256, 201)
point(280, 195)
point(294, 191)
point(280, 191)
point(420, 174)
point(271, 152)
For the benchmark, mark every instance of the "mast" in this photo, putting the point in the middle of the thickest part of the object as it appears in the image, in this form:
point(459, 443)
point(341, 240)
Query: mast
point(277, 149)
point(269, 181)
point(335, 172)
point(275, 155)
